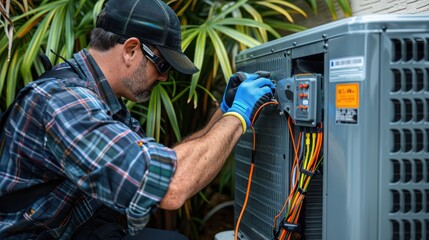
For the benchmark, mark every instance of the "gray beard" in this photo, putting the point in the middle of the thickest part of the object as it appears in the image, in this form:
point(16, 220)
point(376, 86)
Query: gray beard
point(143, 97)
point(140, 90)
point(139, 94)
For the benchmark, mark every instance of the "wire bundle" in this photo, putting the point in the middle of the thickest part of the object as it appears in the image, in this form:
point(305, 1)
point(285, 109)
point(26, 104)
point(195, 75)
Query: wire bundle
point(306, 162)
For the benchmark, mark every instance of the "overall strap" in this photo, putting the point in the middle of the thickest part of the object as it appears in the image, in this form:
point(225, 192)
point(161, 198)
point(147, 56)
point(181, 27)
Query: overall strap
point(62, 73)
point(15, 201)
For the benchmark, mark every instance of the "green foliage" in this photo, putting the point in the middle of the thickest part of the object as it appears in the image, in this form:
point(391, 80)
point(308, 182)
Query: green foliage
point(39, 26)
point(213, 32)
point(344, 5)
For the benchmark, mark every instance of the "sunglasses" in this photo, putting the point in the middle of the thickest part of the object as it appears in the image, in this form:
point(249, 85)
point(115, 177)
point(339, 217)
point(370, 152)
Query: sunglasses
point(161, 65)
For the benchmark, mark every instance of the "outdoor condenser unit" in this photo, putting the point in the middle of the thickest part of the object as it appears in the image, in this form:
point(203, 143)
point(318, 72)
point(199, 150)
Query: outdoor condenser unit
point(369, 88)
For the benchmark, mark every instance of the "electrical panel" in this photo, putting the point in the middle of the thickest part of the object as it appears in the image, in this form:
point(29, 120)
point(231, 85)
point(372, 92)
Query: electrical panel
point(364, 82)
point(301, 97)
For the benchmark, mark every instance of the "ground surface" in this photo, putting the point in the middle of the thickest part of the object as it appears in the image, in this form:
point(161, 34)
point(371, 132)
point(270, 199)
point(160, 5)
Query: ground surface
point(221, 220)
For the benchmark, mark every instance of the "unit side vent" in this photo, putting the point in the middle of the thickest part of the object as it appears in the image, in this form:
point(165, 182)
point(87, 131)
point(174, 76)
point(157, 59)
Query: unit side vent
point(410, 170)
point(410, 80)
point(409, 140)
point(407, 95)
point(407, 49)
point(409, 229)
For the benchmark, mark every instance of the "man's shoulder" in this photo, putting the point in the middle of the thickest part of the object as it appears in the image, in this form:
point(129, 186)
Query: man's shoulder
point(53, 85)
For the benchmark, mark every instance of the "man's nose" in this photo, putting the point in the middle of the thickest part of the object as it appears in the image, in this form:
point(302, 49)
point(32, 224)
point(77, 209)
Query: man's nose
point(163, 77)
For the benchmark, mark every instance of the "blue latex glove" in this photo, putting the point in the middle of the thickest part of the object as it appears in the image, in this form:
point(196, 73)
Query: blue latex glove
point(251, 94)
point(229, 94)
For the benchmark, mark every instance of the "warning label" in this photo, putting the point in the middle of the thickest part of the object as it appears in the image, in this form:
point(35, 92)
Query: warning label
point(347, 95)
point(346, 116)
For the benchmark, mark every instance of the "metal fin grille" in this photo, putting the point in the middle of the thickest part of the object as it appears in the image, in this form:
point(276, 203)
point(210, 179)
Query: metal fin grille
point(270, 180)
point(276, 63)
point(409, 138)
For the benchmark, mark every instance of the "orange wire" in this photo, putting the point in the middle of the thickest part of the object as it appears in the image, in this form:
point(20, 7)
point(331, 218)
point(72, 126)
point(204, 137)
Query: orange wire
point(299, 197)
point(295, 148)
point(254, 138)
point(259, 109)
point(298, 208)
point(295, 205)
point(296, 159)
point(284, 205)
point(316, 154)
point(318, 145)
point(297, 202)
point(252, 166)
point(283, 235)
point(243, 208)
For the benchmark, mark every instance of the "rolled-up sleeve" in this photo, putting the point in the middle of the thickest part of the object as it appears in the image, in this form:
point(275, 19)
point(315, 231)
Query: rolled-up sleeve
point(105, 158)
point(155, 184)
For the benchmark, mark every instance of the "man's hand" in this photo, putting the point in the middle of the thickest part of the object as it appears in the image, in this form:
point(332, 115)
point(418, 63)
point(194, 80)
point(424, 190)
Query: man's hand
point(250, 95)
point(231, 89)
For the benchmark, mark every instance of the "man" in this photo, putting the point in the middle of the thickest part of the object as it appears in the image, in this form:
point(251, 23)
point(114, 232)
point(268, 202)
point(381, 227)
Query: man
point(75, 132)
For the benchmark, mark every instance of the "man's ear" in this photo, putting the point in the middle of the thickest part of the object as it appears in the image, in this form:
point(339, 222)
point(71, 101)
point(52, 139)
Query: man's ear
point(131, 50)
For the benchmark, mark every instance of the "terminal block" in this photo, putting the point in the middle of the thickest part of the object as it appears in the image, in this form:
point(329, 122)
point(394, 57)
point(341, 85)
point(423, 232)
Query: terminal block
point(301, 97)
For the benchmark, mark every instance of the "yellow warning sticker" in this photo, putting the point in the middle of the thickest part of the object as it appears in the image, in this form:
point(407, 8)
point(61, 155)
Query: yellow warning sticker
point(347, 95)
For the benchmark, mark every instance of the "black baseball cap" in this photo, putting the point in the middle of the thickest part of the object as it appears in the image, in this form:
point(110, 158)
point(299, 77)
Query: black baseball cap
point(151, 21)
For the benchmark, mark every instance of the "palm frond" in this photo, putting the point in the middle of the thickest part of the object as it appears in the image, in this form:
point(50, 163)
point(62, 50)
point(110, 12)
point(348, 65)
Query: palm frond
point(237, 36)
point(277, 9)
point(153, 124)
point(199, 54)
point(221, 53)
point(258, 18)
point(249, 23)
point(169, 109)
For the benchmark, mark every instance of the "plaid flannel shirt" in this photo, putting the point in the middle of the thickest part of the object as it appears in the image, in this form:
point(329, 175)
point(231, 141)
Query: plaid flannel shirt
point(79, 131)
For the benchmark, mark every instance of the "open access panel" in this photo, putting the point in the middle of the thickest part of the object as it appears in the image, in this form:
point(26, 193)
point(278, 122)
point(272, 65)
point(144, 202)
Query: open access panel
point(364, 83)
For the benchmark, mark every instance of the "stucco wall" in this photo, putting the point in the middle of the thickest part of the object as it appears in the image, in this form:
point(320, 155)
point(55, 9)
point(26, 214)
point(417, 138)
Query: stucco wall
point(359, 8)
point(364, 7)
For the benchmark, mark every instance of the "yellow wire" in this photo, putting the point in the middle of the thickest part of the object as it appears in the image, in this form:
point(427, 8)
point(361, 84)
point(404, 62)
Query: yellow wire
point(314, 162)
point(313, 146)
point(304, 164)
point(309, 165)
point(311, 161)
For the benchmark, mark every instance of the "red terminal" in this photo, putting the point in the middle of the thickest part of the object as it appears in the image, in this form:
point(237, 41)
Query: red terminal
point(301, 107)
point(306, 85)
point(301, 95)
point(305, 107)
point(305, 95)
point(301, 85)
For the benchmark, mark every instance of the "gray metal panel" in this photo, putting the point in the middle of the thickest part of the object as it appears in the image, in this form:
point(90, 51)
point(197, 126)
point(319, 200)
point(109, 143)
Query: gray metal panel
point(370, 23)
point(351, 150)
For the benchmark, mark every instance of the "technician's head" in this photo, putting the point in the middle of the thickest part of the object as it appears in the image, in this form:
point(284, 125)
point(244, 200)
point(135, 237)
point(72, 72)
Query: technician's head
point(148, 30)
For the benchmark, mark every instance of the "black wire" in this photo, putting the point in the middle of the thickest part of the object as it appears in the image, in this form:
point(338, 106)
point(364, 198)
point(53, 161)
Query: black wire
point(65, 60)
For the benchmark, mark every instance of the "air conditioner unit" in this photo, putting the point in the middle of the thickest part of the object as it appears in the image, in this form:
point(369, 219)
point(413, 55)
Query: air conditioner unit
point(368, 82)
